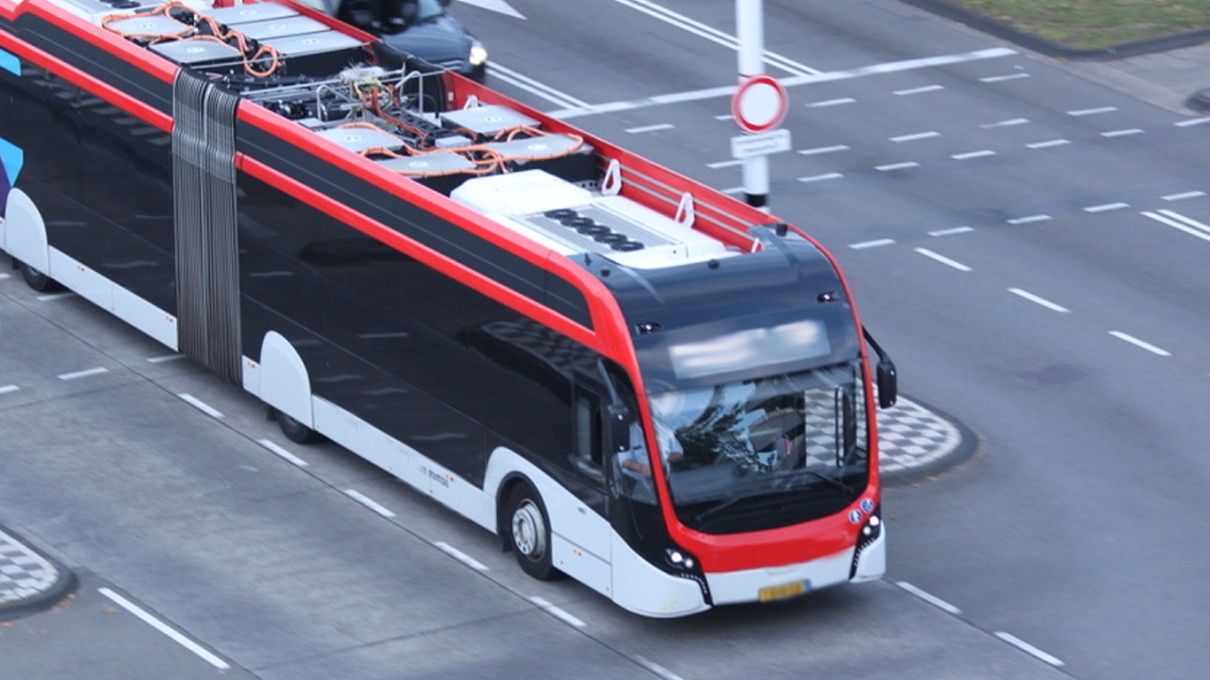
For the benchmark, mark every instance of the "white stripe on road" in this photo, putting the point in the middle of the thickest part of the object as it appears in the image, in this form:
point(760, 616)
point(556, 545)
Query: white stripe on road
point(651, 128)
point(1106, 207)
point(1092, 112)
point(164, 628)
point(723, 164)
point(1030, 219)
point(915, 136)
point(1186, 195)
point(282, 452)
point(83, 374)
point(1000, 79)
point(368, 502)
point(919, 90)
point(200, 405)
point(1028, 648)
point(973, 154)
point(8, 388)
point(1178, 221)
point(872, 244)
point(824, 149)
point(831, 102)
point(555, 611)
point(1140, 343)
point(460, 556)
point(1038, 300)
point(165, 358)
point(944, 260)
point(897, 166)
point(820, 178)
point(927, 597)
point(1005, 123)
point(951, 232)
point(1122, 133)
point(534, 87)
point(1047, 144)
point(56, 296)
point(1192, 121)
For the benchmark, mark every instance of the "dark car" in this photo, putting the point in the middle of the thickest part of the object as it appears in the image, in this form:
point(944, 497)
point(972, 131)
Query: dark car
point(422, 28)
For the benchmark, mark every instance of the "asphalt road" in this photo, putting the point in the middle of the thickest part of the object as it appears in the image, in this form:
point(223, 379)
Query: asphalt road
point(1014, 236)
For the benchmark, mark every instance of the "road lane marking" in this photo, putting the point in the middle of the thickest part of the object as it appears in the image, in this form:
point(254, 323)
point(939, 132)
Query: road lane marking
point(55, 296)
point(1122, 133)
point(1092, 112)
point(1029, 219)
point(831, 102)
point(897, 166)
point(824, 149)
point(973, 154)
point(726, 116)
point(1048, 143)
point(557, 612)
point(657, 669)
point(1140, 343)
point(1106, 207)
point(165, 358)
point(951, 232)
point(1038, 300)
point(200, 405)
point(930, 598)
point(734, 190)
point(872, 244)
point(1005, 123)
point(1178, 221)
point(1192, 121)
point(915, 136)
point(539, 89)
point(1183, 196)
point(919, 90)
point(944, 260)
point(368, 502)
point(1028, 648)
point(8, 388)
point(1000, 79)
point(282, 452)
point(820, 178)
point(723, 164)
point(651, 128)
point(460, 556)
point(83, 374)
point(177, 637)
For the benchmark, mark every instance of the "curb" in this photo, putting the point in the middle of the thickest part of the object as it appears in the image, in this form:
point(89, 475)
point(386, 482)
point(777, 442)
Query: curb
point(63, 584)
point(986, 24)
point(968, 443)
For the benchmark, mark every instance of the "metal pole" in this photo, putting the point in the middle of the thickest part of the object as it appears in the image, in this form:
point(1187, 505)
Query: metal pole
point(750, 31)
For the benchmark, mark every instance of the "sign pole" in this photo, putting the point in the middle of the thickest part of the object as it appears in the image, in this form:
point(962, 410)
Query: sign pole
point(750, 31)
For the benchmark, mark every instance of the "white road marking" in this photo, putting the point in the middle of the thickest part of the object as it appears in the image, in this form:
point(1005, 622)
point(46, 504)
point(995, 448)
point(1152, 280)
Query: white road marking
point(734, 190)
point(1092, 112)
point(973, 154)
point(1030, 219)
point(927, 597)
point(200, 405)
point(872, 244)
point(496, 6)
point(651, 128)
point(8, 388)
point(1038, 300)
point(3, 275)
point(542, 90)
point(831, 102)
point(824, 149)
point(951, 232)
point(282, 452)
point(165, 358)
point(1005, 123)
point(1048, 143)
point(1028, 648)
point(657, 669)
point(164, 628)
point(723, 164)
point(56, 296)
point(1181, 197)
point(1140, 343)
point(919, 90)
point(944, 260)
point(84, 374)
point(915, 136)
point(998, 79)
point(1122, 133)
point(1179, 221)
point(897, 166)
point(368, 502)
point(820, 178)
point(725, 117)
point(460, 556)
point(1106, 207)
point(1192, 121)
point(555, 611)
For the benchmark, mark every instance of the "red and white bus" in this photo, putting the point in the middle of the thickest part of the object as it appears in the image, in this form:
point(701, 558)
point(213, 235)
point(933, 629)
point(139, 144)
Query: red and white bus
point(629, 377)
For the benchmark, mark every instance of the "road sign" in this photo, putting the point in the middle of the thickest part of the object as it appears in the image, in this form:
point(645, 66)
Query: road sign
point(759, 103)
point(762, 144)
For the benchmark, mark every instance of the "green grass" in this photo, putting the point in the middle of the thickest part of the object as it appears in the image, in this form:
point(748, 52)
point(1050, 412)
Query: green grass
point(1092, 24)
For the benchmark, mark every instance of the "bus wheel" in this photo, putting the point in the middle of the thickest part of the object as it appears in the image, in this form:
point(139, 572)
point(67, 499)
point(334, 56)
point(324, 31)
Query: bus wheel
point(36, 279)
point(529, 532)
point(294, 430)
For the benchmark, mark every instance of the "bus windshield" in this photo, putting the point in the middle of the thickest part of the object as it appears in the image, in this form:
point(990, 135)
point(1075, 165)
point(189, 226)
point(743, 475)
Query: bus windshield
point(766, 452)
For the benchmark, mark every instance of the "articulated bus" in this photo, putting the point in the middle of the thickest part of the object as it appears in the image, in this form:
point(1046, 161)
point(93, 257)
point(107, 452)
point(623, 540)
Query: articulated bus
point(630, 378)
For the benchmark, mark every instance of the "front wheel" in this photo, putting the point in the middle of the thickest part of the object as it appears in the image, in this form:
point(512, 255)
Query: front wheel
point(294, 430)
point(529, 532)
point(36, 280)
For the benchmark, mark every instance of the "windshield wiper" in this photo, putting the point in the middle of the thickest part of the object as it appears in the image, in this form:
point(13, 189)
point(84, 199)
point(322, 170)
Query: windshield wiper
point(714, 510)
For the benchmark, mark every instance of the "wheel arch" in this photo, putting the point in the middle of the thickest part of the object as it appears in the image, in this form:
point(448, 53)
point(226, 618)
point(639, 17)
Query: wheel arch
point(285, 383)
point(24, 232)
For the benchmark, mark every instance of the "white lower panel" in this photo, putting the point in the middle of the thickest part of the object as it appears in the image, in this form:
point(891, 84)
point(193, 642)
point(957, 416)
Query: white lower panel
point(745, 586)
point(145, 316)
point(872, 563)
point(581, 565)
point(642, 588)
point(87, 283)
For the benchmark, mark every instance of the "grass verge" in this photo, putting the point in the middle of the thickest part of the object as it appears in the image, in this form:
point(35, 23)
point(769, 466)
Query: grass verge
point(1095, 24)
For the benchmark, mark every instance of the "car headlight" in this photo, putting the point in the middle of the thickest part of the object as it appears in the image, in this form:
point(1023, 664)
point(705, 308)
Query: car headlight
point(478, 53)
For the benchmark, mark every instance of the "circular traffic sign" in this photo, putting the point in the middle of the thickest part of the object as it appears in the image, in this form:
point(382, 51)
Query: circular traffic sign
point(759, 103)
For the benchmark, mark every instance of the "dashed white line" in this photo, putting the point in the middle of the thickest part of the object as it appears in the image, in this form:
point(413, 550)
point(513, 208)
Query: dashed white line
point(943, 260)
point(557, 612)
point(8, 388)
point(368, 502)
point(824, 149)
point(83, 374)
point(55, 296)
point(1140, 343)
point(831, 102)
point(1038, 300)
point(3, 275)
point(651, 128)
point(897, 166)
point(951, 232)
point(1092, 112)
point(973, 154)
point(165, 358)
point(164, 628)
point(1105, 207)
point(1183, 196)
point(1122, 133)
point(460, 556)
point(915, 136)
point(1192, 121)
point(200, 405)
point(657, 669)
point(1178, 221)
point(723, 164)
point(542, 90)
point(820, 178)
point(734, 190)
point(872, 244)
point(1028, 648)
point(919, 90)
point(1030, 219)
point(999, 79)
point(282, 452)
point(1047, 144)
point(726, 116)
point(1005, 123)
point(928, 597)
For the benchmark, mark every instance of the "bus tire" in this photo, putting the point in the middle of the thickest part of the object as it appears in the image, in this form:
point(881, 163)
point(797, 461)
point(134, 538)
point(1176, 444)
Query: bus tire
point(527, 527)
point(36, 280)
point(294, 430)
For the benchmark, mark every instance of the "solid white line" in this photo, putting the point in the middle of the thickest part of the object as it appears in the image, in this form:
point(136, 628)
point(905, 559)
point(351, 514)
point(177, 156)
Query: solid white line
point(164, 628)
point(8, 388)
point(1181, 197)
point(1092, 112)
point(1047, 144)
point(369, 503)
point(951, 232)
point(1122, 133)
point(915, 136)
point(1038, 300)
point(552, 609)
point(1140, 344)
point(1105, 207)
point(166, 358)
point(820, 178)
point(1030, 219)
point(200, 405)
point(1192, 121)
point(1162, 219)
point(872, 244)
point(1028, 648)
point(532, 86)
point(831, 102)
point(1005, 123)
point(897, 166)
point(651, 128)
point(55, 296)
point(1185, 219)
point(723, 164)
point(973, 154)
point(282, 452)
point(460, 556)
point(84, 374)
point(824, 149)
point(657, 669)
point(919, 90)
point(944, 260)
point(998, 79)
point(927, 597)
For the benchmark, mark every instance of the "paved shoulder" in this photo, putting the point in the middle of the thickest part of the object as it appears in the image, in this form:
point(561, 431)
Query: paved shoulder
point(29, 580)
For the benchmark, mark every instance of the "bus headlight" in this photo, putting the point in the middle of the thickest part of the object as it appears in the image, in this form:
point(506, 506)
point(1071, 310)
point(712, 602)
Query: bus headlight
point(680, 559)
point(478, 54)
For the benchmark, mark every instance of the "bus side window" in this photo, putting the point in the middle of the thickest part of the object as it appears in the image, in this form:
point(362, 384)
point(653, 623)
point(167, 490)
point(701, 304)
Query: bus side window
point(588, 455)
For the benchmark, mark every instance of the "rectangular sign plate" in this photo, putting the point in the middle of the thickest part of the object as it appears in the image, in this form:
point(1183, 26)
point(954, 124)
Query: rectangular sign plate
point(763, 144)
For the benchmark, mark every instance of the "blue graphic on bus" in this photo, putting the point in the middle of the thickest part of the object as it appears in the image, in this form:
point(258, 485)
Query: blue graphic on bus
point(11, 159)
point(9, 62)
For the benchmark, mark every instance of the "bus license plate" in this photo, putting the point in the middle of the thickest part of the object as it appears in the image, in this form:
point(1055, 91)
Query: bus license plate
point(783, 591)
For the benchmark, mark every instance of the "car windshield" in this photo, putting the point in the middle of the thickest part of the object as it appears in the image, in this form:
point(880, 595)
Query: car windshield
point(428, 9)
point(763, 453)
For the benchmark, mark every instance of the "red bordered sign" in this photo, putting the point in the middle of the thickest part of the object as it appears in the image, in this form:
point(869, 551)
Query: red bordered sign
point(760, 103)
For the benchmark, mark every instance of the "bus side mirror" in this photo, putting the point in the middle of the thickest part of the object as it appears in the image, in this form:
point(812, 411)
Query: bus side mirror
point(619, 427)
point(888, 383)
